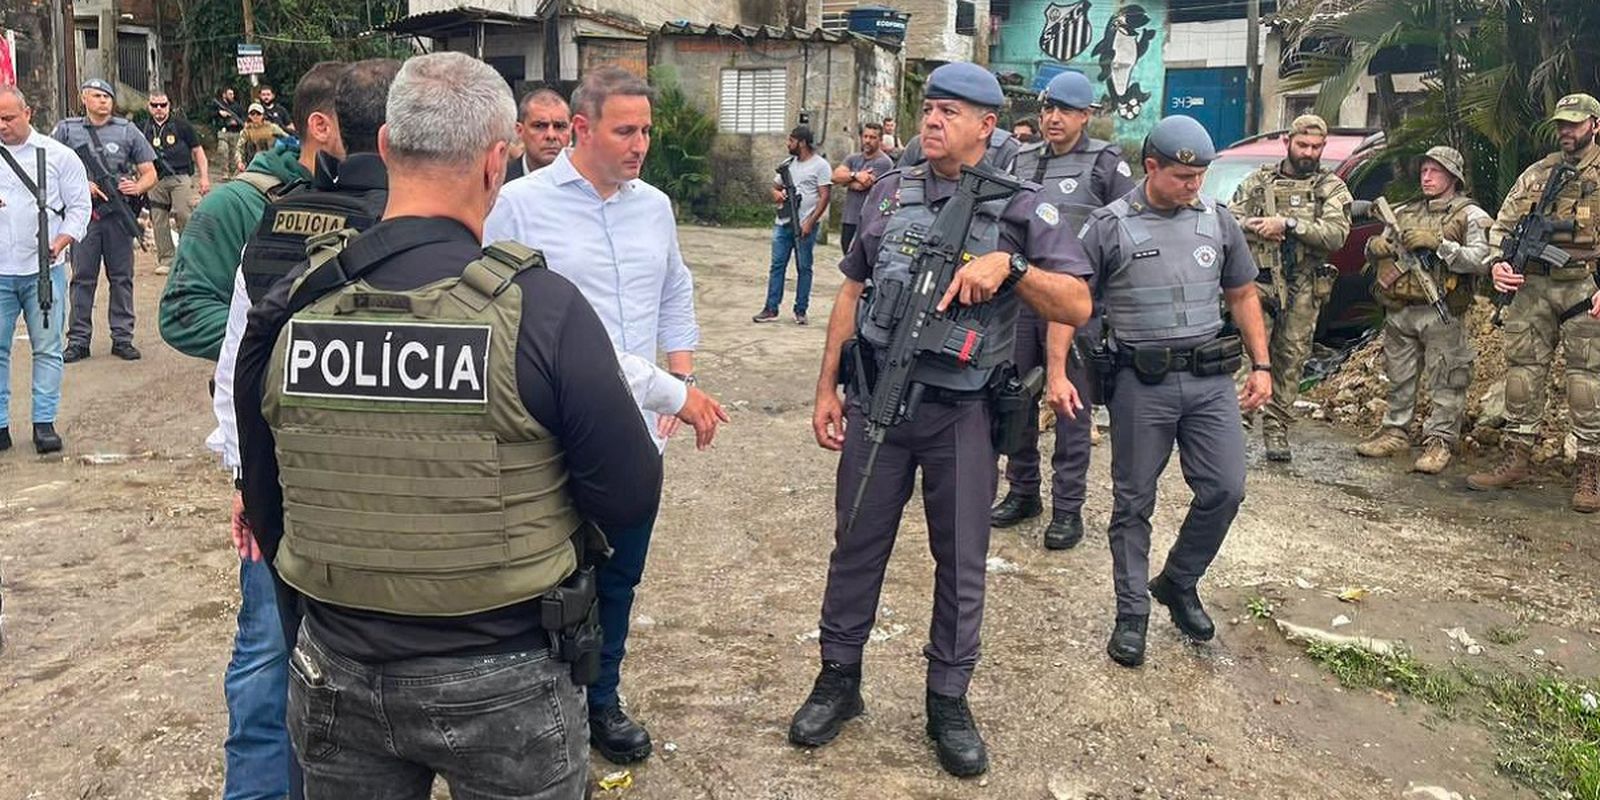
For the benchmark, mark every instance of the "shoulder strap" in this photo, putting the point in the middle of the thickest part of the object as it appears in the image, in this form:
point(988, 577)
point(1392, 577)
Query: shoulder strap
point(97, 149)
point(263, 183)
point(488, 277)
point(352, 258)
point(27, 182)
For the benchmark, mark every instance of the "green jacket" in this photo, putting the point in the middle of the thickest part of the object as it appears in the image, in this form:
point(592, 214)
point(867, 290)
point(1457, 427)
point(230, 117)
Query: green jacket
point(194, 304)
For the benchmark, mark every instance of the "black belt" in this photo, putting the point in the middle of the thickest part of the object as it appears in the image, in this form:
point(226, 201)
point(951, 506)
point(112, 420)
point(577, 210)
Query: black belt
point(1180, 360)
point(950, 397)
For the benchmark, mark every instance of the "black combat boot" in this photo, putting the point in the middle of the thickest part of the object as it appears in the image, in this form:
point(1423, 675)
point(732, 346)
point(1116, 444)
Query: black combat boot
point(955, 735)
point(618, 738)
point(1015, 508)
point(45, 438)
point(1064, 531)
point(1187, 613)
point(1127, 640)
point(835, 699)
point(5, 438)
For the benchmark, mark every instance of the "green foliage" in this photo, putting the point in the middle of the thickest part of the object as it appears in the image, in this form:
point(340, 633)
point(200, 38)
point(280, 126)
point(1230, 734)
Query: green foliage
point(680, 147)
point(741, 215)
point(1362, 668)
point(1259, 608)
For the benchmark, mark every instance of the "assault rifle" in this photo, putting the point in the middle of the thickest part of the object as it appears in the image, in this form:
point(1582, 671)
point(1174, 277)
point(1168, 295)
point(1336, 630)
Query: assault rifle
point(115, 207)
point(46, 288)
point(791, 197)
point(1409, 261)
point(1529, 242)
point(918, 329)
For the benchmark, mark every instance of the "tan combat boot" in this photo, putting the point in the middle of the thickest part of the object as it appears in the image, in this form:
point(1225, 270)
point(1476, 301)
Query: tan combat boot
point(1512, 469)
point(1586, 489)
point(1386, 442)
point(1277, 445)
point(1435, 456)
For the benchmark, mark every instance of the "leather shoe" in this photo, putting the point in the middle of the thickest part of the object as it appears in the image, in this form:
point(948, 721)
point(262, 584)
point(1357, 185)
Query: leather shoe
point(835, 699)
point(955, 735)
point(74, 352)
point(1127, 640)
point(45, 438)
point(1015, 508)
point(1184, 604)
point(126, 351)
point(619, 739)
point(1064, 531)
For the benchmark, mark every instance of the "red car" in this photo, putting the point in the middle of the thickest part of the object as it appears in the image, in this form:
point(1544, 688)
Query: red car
point(1351, 310)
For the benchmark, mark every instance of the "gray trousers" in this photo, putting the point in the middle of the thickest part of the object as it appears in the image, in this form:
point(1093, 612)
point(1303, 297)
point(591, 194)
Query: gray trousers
point(1202, 416)
point(1069, 464)
point(950, 444)
point(102, 242)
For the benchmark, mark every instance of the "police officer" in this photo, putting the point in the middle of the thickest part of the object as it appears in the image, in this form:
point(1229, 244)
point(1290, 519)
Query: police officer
point(1543, 293)
point(448, 614)
point(1449, 235)
point(111, 149)
point(1021, 243)
point(1295, 213)
point(1166, 259)
point(1078, 174)
point(179, 159)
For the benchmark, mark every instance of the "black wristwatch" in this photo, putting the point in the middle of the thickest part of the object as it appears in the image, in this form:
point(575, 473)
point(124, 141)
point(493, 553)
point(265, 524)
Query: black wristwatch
point(1260, 367)
point(1019, 268)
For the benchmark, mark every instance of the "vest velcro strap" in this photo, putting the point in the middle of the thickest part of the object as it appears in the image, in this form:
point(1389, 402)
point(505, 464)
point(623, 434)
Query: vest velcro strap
point(515, 255)
point(1206, 225)
point(379, 522)
point(391, 485)
point(517, 455)
point(514, 548)
point(481, 282)
point(458, 448)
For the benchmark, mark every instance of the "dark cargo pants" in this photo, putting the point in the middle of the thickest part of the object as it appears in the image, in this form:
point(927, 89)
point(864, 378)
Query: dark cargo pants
point(950, 444)
point(1202, 416)
point(103, 242)
point(496, 727)
point(1069, 464)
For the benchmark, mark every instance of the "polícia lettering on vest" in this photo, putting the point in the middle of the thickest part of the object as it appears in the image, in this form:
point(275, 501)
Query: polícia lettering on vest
point(306, 223)
point(362, 360)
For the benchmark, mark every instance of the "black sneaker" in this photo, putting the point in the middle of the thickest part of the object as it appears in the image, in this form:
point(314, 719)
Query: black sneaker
point(766, 315)
point(618, 738)
point(835, 699)
point(5, 438)
point(74, 352)
point(955, 735)
point(45, 438)
point(126, 351)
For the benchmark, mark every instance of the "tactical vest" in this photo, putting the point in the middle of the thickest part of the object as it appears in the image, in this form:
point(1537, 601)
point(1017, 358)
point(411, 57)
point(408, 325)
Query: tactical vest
point(1168, 284)
point(294, 215)
point(1450, 222)
point(414, 480)
point(1579, 202)
point(892, 275)
point(1274, 195)
point(1068, 179)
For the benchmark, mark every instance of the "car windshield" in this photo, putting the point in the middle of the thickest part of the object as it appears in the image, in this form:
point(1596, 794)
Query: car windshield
point(1226, 173)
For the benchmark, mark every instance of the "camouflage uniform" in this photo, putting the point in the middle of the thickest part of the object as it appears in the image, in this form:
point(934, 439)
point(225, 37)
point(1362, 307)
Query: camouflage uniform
point(1531, 321)
point(1415, 341)
point(1292, 294)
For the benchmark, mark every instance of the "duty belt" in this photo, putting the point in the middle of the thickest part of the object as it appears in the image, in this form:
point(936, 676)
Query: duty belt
point(1220, 356)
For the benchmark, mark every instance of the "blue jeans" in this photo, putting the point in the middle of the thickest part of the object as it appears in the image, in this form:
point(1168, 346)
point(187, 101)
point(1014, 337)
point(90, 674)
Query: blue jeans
point(257, 690)
point(784, 243)
point(19, 294)
point(614, 585)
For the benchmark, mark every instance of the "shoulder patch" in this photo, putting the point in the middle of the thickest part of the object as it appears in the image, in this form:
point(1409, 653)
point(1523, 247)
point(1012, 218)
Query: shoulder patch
point(1123, 169)
point(1048, 213)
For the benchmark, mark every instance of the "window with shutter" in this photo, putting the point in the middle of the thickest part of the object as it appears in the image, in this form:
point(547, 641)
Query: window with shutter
point(753, 101)
point(966, 18)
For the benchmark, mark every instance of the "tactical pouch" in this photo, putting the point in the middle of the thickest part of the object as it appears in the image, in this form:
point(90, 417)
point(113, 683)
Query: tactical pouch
point(1101, 367)
point(1221, 356)
point(1013, 403)
point(1327, 275)
point(885, 299)
point(848, 354)
point(1152, 364)
point(571, 613)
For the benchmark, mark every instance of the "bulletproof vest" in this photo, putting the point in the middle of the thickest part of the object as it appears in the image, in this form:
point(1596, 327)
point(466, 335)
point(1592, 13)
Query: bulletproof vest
point(892, 276)
point(1579, 202)
point(295, 215)
point(1274, 195)
point(414, 479)
point(1450, 222)
point(1067, 179)
point(1168, 284)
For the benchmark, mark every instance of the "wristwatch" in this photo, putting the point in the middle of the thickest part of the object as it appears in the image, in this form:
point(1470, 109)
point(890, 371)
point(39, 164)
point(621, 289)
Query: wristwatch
point(1291, 224)
point(1019, 268)
point(686, 377)
point(1260, 367)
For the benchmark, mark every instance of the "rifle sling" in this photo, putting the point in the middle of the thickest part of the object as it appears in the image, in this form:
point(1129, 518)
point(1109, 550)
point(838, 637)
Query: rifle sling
point(27, 182)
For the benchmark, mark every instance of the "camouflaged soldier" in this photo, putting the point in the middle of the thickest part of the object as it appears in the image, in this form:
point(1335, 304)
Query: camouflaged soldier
point(1533, 320)
point(1295, 213)
point(1449, 234)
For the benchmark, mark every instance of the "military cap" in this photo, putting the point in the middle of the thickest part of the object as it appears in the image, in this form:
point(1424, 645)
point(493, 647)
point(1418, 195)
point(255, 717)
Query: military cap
point(99, 85)
point(256, 108)
point(960, 80)
point(1450, 159)
point(1308, 125)
point(1070, 88)
point(1181, 139)
point(1576, 108)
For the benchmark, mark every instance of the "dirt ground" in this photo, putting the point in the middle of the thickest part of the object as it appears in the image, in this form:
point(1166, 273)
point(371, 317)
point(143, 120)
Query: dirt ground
point(120, 591)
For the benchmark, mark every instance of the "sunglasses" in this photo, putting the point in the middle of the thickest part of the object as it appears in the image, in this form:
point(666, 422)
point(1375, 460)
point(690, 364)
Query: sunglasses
point(159, 105)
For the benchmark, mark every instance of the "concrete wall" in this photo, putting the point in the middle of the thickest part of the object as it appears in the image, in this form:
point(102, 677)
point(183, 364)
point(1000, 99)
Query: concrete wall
point(1279, 107)
point(651, 13)
point(931, 32)
point(36, 58)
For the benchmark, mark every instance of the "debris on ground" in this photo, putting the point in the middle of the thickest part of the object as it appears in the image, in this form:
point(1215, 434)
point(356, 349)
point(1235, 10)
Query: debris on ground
point(1305, 634)
point(1460, 636)
point(621, 779)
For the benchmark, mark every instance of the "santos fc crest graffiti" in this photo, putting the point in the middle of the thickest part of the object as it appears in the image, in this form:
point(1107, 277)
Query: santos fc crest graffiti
point(1067, 32)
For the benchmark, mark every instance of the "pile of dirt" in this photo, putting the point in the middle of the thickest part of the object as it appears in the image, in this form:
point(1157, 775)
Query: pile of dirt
point(1355, 397)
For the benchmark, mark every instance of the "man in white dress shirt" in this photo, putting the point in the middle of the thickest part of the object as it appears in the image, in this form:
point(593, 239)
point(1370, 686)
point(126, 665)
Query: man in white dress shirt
point(614, 236)
point(67, 207)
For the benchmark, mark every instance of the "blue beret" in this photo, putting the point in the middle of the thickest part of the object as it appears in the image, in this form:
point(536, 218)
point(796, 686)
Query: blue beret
point(1183, 140)
point(963, 81)
point(100, 86)
point(1070, 88)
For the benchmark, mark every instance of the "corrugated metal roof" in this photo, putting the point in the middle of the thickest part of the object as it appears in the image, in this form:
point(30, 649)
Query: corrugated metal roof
point(770, 32)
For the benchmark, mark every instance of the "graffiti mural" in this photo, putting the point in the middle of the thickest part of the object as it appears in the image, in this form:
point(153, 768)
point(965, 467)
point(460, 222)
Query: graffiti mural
point(1117, 43)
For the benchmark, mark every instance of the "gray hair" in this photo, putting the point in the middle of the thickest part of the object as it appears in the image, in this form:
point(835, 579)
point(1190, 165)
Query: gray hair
point(448, 108)
point(15, 91)
point(590, 96)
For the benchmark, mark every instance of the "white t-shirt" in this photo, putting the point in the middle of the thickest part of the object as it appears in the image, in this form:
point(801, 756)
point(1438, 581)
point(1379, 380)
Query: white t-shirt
point(809, 177)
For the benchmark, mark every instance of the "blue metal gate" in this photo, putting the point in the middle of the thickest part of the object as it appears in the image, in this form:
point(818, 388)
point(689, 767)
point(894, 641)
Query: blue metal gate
point(1215, 97)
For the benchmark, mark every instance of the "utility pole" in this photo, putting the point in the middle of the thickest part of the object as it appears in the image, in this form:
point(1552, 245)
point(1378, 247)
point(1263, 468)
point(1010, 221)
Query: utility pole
point(1252, 68)
point(250, 32)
